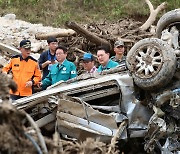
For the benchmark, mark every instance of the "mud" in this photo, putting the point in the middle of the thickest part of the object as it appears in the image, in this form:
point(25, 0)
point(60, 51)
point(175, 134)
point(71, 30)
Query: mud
point(12, 131)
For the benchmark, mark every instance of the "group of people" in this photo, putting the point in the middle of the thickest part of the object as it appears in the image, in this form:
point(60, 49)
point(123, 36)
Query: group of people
point(55, 67)
point(103, 56)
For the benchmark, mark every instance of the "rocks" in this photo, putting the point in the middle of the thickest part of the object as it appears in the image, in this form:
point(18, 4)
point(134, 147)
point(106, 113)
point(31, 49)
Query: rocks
point(12, 31)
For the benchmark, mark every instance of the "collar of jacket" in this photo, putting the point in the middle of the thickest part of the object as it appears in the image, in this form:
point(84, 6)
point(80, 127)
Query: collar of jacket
point(21, 58)
point(107, 65)
point(51, 56)
point(63, 63)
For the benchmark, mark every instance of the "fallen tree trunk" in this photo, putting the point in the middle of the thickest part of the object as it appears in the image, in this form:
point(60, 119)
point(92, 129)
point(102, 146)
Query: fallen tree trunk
point(88, 35)
point(9, 49)
point(63, 33)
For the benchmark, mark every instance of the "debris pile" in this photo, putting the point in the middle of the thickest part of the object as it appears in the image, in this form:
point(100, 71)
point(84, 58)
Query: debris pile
point(13, 137)
point(12, 31)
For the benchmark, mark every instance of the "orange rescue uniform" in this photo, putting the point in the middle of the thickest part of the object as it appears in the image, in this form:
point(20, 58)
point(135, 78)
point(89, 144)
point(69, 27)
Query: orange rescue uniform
point(23, 70)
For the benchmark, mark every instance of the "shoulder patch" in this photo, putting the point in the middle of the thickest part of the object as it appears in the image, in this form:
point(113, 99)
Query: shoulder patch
point(73, 72)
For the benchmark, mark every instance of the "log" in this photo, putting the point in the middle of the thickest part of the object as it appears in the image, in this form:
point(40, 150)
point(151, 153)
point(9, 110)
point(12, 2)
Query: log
point(9, 49)
point(88, 35)
point(153, 14)
point(62, 33)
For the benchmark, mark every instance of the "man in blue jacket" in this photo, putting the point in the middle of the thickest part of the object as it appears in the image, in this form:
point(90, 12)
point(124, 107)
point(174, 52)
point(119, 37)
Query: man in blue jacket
point(103, 58)
point(63, 70)
point(48, 58)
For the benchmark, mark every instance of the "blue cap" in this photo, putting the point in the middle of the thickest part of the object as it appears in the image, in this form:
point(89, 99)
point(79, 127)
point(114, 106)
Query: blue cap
point(88, 56)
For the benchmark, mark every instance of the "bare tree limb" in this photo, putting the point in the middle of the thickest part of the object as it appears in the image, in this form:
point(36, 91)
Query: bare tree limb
point(153, 14)
point(151, 7)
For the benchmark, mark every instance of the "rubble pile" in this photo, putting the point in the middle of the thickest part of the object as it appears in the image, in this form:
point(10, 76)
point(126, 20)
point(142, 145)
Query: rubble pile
point(12, 31)
point(13, 139)
point(126, 30)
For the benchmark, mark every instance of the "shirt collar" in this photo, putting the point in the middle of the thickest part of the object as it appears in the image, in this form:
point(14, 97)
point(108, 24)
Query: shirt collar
point(93, 69)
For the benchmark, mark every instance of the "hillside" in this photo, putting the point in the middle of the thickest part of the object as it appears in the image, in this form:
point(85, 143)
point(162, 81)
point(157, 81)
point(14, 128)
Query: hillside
point(56, 12)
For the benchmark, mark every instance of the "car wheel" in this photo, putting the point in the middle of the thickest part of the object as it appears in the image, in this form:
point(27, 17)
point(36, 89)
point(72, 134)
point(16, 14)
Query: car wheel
point(152, 63)
point(169, 19)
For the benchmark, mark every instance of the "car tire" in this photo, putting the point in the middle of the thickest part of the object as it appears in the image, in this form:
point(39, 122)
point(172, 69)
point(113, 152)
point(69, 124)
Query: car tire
point(151, 63)
point(167, 20)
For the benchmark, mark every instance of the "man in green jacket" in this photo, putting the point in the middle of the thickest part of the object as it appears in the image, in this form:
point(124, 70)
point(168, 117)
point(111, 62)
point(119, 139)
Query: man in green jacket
point(103, 58)
point(61, 71)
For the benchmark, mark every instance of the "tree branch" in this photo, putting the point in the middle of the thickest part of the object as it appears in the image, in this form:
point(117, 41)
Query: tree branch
point(153, 14)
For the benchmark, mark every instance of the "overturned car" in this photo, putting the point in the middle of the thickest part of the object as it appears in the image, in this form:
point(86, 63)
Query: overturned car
point(142, 101)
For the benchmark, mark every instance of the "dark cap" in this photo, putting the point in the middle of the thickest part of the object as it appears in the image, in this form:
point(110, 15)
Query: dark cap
point(25, 44)
point(51, 39)
point(88, 57)
point(118, 43)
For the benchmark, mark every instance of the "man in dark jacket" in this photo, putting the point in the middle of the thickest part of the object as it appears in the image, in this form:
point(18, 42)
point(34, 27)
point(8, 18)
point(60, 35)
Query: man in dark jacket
point(48, 58)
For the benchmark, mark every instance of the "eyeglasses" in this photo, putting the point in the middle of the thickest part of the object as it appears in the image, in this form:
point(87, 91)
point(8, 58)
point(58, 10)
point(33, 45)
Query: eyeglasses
point(59, 54)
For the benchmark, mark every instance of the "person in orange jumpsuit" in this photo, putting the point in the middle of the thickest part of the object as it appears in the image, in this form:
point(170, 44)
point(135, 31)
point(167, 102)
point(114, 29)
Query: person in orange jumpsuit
point(25, 71)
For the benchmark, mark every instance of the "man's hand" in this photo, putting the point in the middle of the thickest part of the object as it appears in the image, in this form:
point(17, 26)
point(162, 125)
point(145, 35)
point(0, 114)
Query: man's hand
point(46, 63)
point(53, 61)
point(29, 84)
point(39, 84)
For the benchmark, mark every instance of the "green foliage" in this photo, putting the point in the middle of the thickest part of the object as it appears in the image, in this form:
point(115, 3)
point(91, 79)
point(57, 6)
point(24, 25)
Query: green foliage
point(56, 12)
point(61, 19)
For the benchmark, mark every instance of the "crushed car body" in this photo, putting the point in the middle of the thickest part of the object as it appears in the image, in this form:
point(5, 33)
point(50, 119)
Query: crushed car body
point(102, 103)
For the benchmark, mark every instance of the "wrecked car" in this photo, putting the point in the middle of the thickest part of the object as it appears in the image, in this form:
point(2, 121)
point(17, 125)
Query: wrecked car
point(141, 102)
